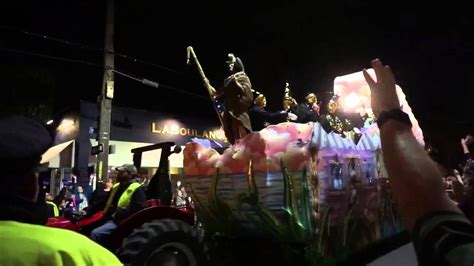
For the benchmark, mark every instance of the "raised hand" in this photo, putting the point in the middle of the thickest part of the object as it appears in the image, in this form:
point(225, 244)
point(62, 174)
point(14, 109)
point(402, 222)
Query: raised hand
point(467, 140)
point(383, 91)
point(213, 91)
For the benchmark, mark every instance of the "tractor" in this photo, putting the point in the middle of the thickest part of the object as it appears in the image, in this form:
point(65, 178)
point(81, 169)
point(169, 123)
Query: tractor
point(158, 233)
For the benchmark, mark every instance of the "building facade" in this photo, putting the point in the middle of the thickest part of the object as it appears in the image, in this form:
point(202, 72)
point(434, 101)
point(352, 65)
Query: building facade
point(132, 128)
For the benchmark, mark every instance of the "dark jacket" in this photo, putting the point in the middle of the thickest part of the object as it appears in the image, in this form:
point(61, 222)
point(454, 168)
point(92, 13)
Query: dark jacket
point(259, 117)
point(304, 114)
point(98, 201)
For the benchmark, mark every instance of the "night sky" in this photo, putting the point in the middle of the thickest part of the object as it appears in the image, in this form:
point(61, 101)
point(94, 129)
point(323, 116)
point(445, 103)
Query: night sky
point(429, 46)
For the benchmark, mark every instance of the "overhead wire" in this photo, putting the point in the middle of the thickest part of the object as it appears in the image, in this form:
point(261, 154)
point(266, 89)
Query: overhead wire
point(50, 57)
point(143, 81)
point(90, 48)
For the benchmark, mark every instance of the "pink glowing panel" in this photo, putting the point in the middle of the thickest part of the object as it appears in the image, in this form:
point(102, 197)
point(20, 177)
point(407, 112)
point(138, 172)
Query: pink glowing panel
point(266, 148)
point(354, 93)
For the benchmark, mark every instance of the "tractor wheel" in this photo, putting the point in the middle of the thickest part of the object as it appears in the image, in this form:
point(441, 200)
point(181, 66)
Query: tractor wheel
point(164, 241)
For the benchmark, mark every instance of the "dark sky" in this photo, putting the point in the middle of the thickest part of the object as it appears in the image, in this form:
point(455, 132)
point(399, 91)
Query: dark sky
point(429, 46)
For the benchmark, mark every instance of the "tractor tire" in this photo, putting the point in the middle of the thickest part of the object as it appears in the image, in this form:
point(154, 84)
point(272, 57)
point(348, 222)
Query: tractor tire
point(164, 241)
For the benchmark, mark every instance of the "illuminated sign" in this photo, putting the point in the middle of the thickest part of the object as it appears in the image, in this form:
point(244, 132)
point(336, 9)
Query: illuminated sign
point(174, 128)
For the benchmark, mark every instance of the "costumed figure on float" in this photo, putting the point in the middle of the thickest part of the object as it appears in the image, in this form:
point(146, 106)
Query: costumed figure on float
point(237, 97)
point(312, 103)
point(261, 118)
point(334, 120)
point(300, 110)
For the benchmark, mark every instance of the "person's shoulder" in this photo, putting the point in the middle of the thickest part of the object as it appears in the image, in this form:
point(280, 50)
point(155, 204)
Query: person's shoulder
point(52, 241)
point(241, 76)
point(81, 246)
point(50, 231)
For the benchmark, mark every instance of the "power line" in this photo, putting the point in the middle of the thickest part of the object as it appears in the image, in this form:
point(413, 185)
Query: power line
point(51, 57)
point(143, 81)
point(157, 85)
point(90, 48)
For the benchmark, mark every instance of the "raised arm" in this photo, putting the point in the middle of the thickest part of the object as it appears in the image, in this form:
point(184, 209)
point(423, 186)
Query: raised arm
point(464, 144)
point(414, 178)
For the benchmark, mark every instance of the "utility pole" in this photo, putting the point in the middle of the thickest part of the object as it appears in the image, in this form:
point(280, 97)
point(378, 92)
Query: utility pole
point(107, 95)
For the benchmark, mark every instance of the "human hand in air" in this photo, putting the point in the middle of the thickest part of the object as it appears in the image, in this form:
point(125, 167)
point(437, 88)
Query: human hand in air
point(467, 140)
point(383, 91)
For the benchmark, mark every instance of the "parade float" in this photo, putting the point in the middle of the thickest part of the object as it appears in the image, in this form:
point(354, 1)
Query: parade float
point(314, 192)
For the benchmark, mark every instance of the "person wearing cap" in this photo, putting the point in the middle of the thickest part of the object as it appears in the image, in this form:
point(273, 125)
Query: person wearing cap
point(312, 103)
point(127, 197)
point(53, 210)
point(24, 240)
point(302, 113)
point(261, 118)
point(335, 120)
point(307, 112)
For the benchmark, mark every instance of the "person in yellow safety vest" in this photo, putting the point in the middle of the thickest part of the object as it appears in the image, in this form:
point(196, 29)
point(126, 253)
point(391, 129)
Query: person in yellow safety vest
point(22, 240)
point(53, 209)
point(127, 197)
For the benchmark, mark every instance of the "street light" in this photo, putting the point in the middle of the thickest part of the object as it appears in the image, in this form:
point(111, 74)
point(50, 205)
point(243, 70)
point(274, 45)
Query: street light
point(49, 122)
point(66, 123)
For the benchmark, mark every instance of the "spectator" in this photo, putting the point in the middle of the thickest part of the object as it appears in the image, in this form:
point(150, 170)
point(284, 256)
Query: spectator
point(81, 199)
point(181, 197)
point(53, 210)
point(467, 202)
point(126, 198)
point(99, 198)
point(442, 235)
point(465, 142)
point(22, 141)
point(89, 189)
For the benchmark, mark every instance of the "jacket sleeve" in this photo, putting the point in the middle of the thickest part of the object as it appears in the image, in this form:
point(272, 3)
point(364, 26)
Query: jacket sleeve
point(59, 198)
point(444, 238)
point(276, 117)
point(305, 115)
point(270, 117)
point(313, 116)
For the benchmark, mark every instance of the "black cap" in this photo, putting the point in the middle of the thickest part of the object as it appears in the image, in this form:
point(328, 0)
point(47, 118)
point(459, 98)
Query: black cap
point(22, 142)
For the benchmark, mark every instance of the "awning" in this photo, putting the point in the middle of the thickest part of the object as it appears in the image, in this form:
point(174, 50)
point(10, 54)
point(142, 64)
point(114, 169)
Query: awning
point(54, 151)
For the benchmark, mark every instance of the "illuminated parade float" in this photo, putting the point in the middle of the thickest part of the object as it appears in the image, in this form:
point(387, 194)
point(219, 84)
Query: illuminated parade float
point(298, 183)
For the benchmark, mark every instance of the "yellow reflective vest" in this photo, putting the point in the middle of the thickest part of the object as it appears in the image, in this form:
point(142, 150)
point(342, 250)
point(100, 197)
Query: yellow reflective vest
point(55, 208)
point(125, 198)
point(28, 244)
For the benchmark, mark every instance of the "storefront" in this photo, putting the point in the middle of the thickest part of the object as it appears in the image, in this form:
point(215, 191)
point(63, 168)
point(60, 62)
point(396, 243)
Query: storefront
point(132, 128)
